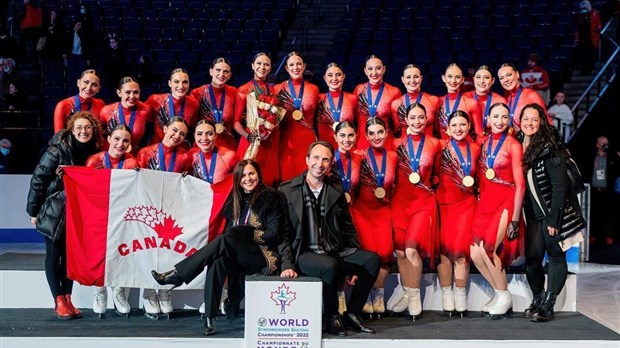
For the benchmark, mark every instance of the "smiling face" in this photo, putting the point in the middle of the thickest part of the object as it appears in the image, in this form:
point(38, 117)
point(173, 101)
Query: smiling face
point(319, 161)
point(220, 74)
point(88, 86)
point(374, 70)
point(205, 137)
point(459, 127)
point(119, 141)
point(416, 120)
point(412, 79)
point(499, 119)
point(334, 78)
point(453, 79)
point(345, 137)
point(560, 98)
point(174, 134)
point(530, 122)
point(261, 67)
point(83, 130)
point(179, 84)
point(376, 135)
point(508, 78)
point(249, 179)
point(295, 67)
point(483, 80)
point(129, 94)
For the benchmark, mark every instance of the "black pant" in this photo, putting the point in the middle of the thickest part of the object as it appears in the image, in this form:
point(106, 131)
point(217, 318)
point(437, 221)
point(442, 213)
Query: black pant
point(224, 258)
point(537, 241)
point(56, 267)
point(331, 269)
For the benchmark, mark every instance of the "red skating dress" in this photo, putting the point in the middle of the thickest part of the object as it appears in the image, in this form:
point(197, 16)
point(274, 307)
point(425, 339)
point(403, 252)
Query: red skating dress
point(218, 106)
point(452, 102)
point(520, 97)
point(484, 106)
point(102, 160)
point(267, 156)
point(176, 160)
point(457, 203)
point(377, 103)
point(327, 113)
point(296, 135)
point(371, 215)
point(497, 196)
point(135, 118)
point(346, 170)
point(414, 208)
point(160, 103)
point(430, 102)
point(67, 107)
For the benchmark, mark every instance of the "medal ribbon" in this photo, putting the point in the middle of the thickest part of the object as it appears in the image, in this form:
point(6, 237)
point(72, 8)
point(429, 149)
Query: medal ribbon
point(372, 107)
point(335, 111)
point(414, 160)
point(408, 101)
point(379, 174)
point(108, 162)
point(465, 165)
point(218, 111)
point(491, 157)
point(456, 104)
point(485, 117)
point(78, 104)
point(132, 118)
point(512, 105)
point(171, 107)
point(162, 159)
point(345, 177)
point(209, 174)
point(297, 99)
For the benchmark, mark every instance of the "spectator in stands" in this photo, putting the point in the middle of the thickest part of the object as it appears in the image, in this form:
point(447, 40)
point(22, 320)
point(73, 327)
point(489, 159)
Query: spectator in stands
point(143, 71)
point(114, 63)
point(9, 46)
point(5, 149)
point(536, 78)
point(561, 115)
point(9, 74)
point(587, 37)
point(77, 51)
point(86, 18)
point(601, 193)
point(30, 19)
point(54, 31)
point(14, 99)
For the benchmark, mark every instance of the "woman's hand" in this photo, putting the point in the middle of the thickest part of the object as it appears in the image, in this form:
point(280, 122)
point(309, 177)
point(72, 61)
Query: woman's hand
point(552, 231)
point(513, 230)
point(288, 273)
point(33, 221)
point(351, 280)
point(60, 171)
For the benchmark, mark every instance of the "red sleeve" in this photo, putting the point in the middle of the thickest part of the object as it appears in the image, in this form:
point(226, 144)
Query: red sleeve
point(63, 108)
point(94, 161)
point(516, 156)
point(240, 100)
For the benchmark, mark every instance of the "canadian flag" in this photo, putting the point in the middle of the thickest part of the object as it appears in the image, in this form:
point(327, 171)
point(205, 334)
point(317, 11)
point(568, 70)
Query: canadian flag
point(121, 224)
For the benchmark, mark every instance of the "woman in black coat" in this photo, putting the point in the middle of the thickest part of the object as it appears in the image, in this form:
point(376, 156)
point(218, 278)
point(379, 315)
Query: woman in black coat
point(551, 210)
point(256, 241)
point(46, 201)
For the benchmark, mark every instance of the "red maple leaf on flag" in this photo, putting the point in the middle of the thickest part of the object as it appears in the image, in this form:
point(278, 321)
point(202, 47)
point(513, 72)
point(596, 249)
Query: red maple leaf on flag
point(168, 229)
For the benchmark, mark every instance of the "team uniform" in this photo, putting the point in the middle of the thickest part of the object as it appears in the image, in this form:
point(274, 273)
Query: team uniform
point(484, 105)
point(186, 107)
point(67, 107)
point(166, 159)
point(431, 104)
point(329, 113)
point(135, 118)
point(452, 102)
point(103, 160)
point(520, 97)
point(218, 106)
point(375, 101)
point(346, 170)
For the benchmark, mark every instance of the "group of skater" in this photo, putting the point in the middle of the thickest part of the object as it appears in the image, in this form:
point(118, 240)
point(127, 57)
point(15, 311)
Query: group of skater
point(364, 179)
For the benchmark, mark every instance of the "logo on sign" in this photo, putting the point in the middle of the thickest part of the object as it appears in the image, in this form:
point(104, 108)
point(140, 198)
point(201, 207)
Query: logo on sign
point(283, 296)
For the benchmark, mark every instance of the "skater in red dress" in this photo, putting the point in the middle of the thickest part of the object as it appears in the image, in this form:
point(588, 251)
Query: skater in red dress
point(414, 208)
point(167, 156)
point(456, 194)
point(177, 103)
point(496, 228)
point(374, 99)
point(116, 157)
point(267, 156)
point(300, 99)
point(210, 162)
point(217, 103)
point(483, 81)
point(412, 80)
point(88, 86)
point(130, 111)
point(371, 211)
point(516, 95)
point(334, 106)
point(454, 100)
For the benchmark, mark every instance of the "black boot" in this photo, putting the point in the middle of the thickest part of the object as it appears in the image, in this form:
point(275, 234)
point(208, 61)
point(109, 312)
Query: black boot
point(209, 329)
point(545, 311)
point(535, 305)
point(167, 278)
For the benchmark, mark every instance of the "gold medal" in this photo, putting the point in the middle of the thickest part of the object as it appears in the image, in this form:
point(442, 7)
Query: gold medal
point(468, 181)
point(414, 178)
point(490, 174)
point(335, 125)
point(380, 192)
point(219, 128)
point(297, 115)
point(128, 149)
point(347, 196)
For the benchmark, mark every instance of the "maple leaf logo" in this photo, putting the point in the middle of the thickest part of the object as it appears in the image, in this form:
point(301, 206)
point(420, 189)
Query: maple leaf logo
point(283, 296)
point(164, 225)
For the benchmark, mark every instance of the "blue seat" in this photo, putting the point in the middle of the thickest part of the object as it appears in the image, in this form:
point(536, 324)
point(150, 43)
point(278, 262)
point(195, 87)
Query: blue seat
point(166, 57)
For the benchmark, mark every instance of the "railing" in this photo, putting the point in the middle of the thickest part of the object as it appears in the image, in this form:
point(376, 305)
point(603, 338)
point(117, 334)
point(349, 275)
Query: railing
point(609, 70)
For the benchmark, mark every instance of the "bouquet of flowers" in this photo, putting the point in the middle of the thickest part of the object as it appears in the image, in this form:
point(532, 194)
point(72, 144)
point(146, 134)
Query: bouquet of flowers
point(264, 113)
